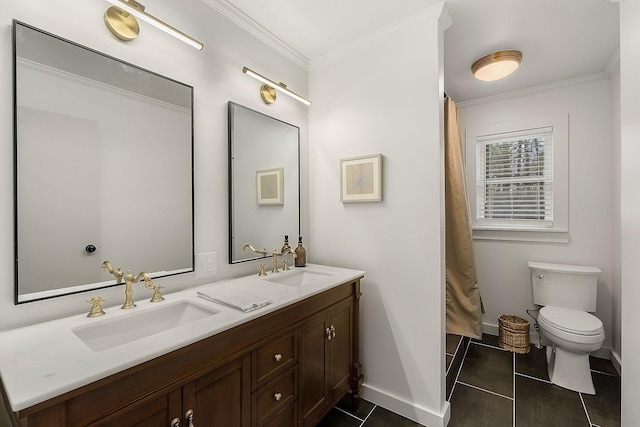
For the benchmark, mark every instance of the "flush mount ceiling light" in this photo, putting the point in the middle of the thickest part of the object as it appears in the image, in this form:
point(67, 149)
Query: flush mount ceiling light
point(120, 19)
point(496, 65)
point(269, 88)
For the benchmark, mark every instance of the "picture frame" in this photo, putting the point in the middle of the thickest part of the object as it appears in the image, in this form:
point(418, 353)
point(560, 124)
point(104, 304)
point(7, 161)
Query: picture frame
point(361, 179)
point(270, 186)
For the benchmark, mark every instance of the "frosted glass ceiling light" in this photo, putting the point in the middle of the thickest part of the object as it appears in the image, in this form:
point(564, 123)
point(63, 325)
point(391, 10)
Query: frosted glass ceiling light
point(496, 65)
point(268, 89)
point(120, 19)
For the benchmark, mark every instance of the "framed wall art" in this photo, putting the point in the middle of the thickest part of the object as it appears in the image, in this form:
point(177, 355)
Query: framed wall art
point(361, 179)
point(270, 186)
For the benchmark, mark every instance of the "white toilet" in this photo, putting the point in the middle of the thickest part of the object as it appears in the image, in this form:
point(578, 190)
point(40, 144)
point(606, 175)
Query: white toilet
point(567, 293)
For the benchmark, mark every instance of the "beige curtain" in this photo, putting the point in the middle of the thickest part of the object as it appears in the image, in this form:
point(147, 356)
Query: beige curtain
point(464, 312)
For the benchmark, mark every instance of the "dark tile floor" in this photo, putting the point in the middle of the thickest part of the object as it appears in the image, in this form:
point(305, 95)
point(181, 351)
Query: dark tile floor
point(498, 388)
point(494, 388)
point(369, 415)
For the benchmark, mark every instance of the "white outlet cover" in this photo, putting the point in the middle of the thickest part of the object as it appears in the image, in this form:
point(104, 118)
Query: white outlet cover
point(206, 264)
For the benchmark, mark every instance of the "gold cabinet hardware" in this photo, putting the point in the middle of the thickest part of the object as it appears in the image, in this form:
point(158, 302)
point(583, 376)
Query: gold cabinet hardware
point(277, 396)
point(96, 309)
point(189, 417)
point(175, 422)
point(278, 357)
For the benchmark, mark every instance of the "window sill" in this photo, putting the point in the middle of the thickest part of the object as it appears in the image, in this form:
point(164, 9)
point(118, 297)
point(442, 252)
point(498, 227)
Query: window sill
point(521, 235)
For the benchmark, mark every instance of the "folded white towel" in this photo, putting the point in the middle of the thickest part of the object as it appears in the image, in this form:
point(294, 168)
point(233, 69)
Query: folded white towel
point(233, 298)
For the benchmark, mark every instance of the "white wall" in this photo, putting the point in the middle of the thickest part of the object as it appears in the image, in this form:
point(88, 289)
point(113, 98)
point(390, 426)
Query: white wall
point(216, 75)
point(616, 256)
point(503, 274)
point(384, 95)
point(630, 206)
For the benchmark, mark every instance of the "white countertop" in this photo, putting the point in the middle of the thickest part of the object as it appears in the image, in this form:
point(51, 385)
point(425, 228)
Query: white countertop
point(42, 361)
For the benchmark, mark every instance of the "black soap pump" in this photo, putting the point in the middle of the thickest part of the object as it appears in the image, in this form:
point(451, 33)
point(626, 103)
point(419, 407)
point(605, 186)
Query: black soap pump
point(301, 254)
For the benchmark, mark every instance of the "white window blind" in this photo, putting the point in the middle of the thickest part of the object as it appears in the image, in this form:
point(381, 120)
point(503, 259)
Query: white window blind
point(515, 179)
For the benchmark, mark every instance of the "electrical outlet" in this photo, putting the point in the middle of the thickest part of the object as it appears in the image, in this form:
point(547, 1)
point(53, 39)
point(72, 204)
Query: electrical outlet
point(206, 264)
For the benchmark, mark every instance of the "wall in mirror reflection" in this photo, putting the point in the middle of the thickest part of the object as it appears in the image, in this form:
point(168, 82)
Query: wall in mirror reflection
point(259, 145)
point(103, 158)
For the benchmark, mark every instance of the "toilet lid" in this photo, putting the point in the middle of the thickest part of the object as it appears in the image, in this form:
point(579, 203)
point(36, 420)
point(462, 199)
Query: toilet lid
point(572, 321)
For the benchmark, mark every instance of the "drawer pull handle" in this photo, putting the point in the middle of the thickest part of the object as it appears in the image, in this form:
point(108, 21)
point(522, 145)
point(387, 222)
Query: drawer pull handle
point(333, 331)
point(328, 331)
point(277, 396)
point(189, 417)
point(175, 422)
point(278, 357)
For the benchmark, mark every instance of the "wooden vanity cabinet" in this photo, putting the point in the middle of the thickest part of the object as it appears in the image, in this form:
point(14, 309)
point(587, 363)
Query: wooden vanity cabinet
point(325, 361)
point(285, 368)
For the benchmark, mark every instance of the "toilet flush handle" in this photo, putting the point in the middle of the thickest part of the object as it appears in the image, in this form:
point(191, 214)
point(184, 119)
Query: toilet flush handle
point(540, 276)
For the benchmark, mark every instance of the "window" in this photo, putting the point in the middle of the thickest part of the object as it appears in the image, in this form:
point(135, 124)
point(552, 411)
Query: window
point(514, 181)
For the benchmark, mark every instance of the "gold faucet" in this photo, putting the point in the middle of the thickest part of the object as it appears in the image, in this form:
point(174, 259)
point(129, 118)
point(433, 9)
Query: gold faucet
point(275, 256)
point(129, 280)
point(262, 252)
point(117, 273)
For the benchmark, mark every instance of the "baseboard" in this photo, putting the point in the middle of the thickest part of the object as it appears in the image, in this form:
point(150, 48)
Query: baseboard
point(408, 410)
point(617, 361)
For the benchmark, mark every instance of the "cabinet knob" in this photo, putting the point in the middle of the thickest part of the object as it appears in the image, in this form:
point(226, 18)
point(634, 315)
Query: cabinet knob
point(278, 357)
point(277, 396)
point(189, 417)
point(175, 422)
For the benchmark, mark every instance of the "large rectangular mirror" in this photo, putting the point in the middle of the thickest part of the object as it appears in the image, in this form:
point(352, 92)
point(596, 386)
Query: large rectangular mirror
point(264, 182)
point(103, 168)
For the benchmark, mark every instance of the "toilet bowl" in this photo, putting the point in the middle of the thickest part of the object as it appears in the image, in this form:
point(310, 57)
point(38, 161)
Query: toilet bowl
point(573, 335)
point(567, 295)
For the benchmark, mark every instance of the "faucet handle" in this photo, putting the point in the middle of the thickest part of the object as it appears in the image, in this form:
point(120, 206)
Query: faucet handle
point(263, 270)
point(96, 310)
point(157, 295)
point(286, 265)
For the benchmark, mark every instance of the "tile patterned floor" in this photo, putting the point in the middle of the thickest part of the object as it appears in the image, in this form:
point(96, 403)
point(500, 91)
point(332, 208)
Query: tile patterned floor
point(369, 415)
point(490, 387)
point(497, 388)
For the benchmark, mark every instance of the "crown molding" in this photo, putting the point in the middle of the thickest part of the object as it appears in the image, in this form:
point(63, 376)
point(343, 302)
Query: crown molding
point(426, 15)
point(245, 22)
point(533, 90)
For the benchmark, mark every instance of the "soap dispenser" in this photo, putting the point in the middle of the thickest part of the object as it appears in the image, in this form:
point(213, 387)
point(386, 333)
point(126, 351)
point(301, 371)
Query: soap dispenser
point(285, 245)
point(301, 254)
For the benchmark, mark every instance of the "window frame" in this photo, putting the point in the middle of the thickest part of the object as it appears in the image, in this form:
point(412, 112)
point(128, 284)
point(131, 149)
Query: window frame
point(557, 230)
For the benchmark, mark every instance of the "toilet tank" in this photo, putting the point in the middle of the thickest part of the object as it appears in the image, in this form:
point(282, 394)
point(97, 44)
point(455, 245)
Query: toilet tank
point(562, 285)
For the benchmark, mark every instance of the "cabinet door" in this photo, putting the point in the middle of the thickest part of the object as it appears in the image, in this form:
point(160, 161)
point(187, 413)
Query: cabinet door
point(313, 353)
point(221, 398)
point(340, 349)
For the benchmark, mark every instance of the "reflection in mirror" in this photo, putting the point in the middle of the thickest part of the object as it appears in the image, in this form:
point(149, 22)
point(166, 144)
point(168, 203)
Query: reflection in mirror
point(264, 184)
point(103, 166)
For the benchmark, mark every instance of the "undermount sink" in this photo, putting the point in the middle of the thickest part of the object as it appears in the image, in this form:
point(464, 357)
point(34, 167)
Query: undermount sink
point(110, 333)
point(298, 278)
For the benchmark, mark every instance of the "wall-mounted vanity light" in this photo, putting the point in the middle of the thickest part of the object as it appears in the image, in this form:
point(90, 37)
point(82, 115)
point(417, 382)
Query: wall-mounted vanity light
point(120, 19)
point(269, 88)
point(496, 65)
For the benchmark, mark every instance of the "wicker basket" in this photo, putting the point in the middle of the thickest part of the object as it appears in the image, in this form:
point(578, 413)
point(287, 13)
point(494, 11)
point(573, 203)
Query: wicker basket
point(513, 334)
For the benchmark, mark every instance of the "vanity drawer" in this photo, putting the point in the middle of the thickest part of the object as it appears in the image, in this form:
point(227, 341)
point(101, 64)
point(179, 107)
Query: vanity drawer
point(273, 357)
point(277, 394)
point(286, 418)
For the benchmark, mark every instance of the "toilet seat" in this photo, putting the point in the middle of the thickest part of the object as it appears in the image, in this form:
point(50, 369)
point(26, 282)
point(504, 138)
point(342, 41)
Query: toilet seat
point(570, 321)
